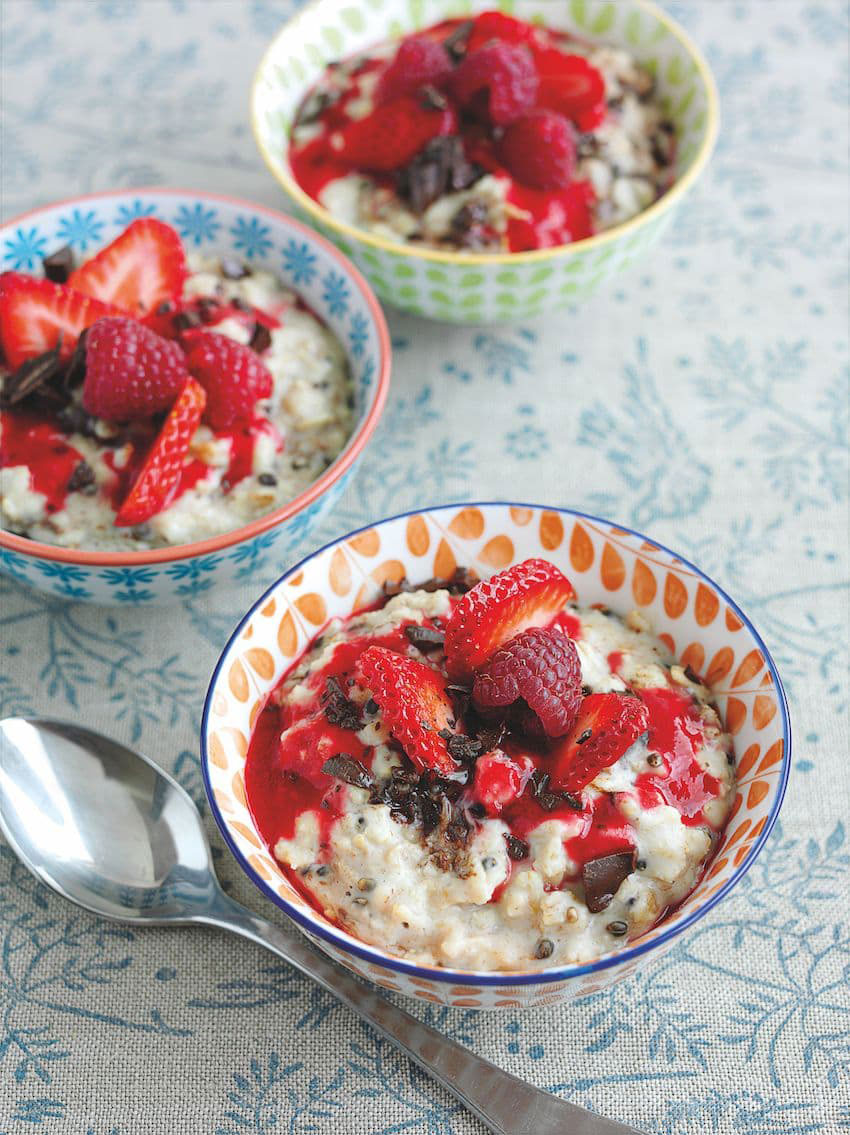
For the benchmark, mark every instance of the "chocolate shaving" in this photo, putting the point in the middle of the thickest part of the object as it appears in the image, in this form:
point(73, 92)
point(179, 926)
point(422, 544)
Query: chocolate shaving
point(464, 749)
point(33, 375)
point(424, 638)
point(59, 265)
point(208, 309)
point(469, 225)
point(261, 338)
point(440, 167)
point(233, 269)
point(346, 768)
point(340, 710)
point(602, 878)
point(75, 372)
point(517, 848)
point(184, 320)
point(82, 477)
point(458, 583)
point(456, 41)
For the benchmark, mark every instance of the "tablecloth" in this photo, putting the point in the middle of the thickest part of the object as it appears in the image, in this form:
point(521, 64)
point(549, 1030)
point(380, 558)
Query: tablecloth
point(703, 398)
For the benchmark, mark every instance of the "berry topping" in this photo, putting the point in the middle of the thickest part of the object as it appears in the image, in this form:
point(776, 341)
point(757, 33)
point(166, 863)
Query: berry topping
point(493, 25)
point(543, 220)
point(142, 267)
point(160, 475)
point(35, 313)
point(540, 150)
point(497, 83)
point(526, 595)
point(414, 704)
point(607, 725)
point(499, 780)
point(540, 669)
point(232, 375)
point(396, 131)
point(130, 371)
point(418, 62)
point(571, 86)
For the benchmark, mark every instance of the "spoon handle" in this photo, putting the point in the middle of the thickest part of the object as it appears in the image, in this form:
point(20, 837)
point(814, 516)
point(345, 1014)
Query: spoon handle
point(503, 1103)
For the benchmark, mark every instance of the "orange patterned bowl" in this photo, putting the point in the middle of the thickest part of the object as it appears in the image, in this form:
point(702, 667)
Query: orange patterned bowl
point(606, 563)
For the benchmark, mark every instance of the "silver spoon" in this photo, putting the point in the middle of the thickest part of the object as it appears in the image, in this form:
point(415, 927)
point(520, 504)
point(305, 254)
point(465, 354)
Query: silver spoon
point(108, 830)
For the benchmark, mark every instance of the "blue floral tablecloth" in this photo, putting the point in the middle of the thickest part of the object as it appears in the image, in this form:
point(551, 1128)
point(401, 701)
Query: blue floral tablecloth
point(703, 399)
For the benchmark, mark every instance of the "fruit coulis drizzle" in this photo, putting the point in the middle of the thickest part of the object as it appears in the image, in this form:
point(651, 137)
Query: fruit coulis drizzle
point(38, 441)
point(283, 780)
point(553, 217)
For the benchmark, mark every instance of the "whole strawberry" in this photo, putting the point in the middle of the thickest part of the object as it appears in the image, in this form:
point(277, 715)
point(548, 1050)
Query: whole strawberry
point(232, 375)
point(131, 372)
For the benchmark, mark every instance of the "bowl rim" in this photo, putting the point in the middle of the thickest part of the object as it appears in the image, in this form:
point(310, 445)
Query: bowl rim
point(504, 978)
point(356, 443)
point(465, 259)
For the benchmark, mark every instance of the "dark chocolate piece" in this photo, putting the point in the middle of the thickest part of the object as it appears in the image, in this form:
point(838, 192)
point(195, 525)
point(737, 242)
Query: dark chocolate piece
point(184, 320)
point(424, 638)
point(344, 767)
point(81, 478)
point(261, 338)
point(517, 848)
point(268, 479)
point(340, 710)
point(440, 167)
point(31, 376)
point(59, 265)
point(469, 225)
point(75, 372)
point(602, 878)
point(463, 748)
point(456, 41)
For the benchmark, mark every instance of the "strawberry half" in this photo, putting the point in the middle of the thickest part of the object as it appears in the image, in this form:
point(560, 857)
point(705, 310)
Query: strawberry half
point(395, 132)
point(35, 312)
point(142, 267)
point(528, 594)
point(414, 704)
point(572, 86)
point(153, 488)
point(607, 725)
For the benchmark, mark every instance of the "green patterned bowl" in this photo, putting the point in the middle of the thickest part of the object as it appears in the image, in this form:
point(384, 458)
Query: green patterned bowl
point(477, 288)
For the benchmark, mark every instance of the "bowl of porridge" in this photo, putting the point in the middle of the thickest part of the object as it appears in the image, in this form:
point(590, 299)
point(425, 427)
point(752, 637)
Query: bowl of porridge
point(187, 382)
point(490, 165)
point(493, 755)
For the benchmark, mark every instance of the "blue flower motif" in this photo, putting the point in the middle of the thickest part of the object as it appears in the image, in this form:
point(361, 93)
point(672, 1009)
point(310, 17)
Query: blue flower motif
point(25, 249)
point(303, 523)
point(299, 262)
point(127, 576)
point(133, 597)
point(250, 237)
point(14, 564)
point(335, 293)
point(132, 211)
point(358, 334)
point(197, 224)
point(367, 374)
point(64, 573)
point(80, 229)
point(192, 572)
point(253, 548)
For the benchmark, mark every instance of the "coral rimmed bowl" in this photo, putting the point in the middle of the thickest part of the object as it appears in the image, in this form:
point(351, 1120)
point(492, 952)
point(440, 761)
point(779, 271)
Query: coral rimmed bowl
point(463, 287)
point(608, 564)
point(263, 238)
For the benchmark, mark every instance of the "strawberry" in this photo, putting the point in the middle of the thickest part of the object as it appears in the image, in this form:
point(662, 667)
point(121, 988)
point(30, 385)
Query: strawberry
point(499, 780)
point(160, 475)
point(131, 372)
point(142, 267)
point(414, 704)
point(607, 725)
point(572, 86)
point(232, 375)
point(395, 132)
point(492, 25)
point(34, 313)
point(528, 594)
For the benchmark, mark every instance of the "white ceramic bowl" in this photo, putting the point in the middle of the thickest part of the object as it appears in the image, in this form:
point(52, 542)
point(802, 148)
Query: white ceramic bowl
point(300, 258)
point(607, 564)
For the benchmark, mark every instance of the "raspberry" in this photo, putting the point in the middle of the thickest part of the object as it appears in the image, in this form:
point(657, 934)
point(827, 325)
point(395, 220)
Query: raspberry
point(540, 668)
point(539, 150)
point(497, 82)
point(418, 62)
point(232, 375)
point(414, 704)
point(526, 595)
point(130, 371)
point(395, 132)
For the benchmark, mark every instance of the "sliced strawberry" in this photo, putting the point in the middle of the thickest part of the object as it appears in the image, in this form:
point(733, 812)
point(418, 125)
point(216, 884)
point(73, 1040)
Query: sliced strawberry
point(607, 725)
point(160, 474)
point(35, 312)
point(414, 704)
point(142, 267)
point(570, 85)
point(529, 594)
point(395, 132)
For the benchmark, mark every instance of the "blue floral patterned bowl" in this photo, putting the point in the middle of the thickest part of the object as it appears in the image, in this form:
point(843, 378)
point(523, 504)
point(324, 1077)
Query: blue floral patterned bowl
point(332, 287)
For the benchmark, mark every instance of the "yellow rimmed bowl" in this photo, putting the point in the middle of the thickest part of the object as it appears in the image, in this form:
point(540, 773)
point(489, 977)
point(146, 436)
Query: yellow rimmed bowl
point(481, 288)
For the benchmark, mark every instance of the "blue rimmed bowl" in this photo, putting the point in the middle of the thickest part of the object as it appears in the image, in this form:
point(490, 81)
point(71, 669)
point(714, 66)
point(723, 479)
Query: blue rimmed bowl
point(301, 259)
point(607, 564)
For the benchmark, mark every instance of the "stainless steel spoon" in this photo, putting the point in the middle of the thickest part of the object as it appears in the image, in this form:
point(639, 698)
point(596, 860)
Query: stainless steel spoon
point(108, 830)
